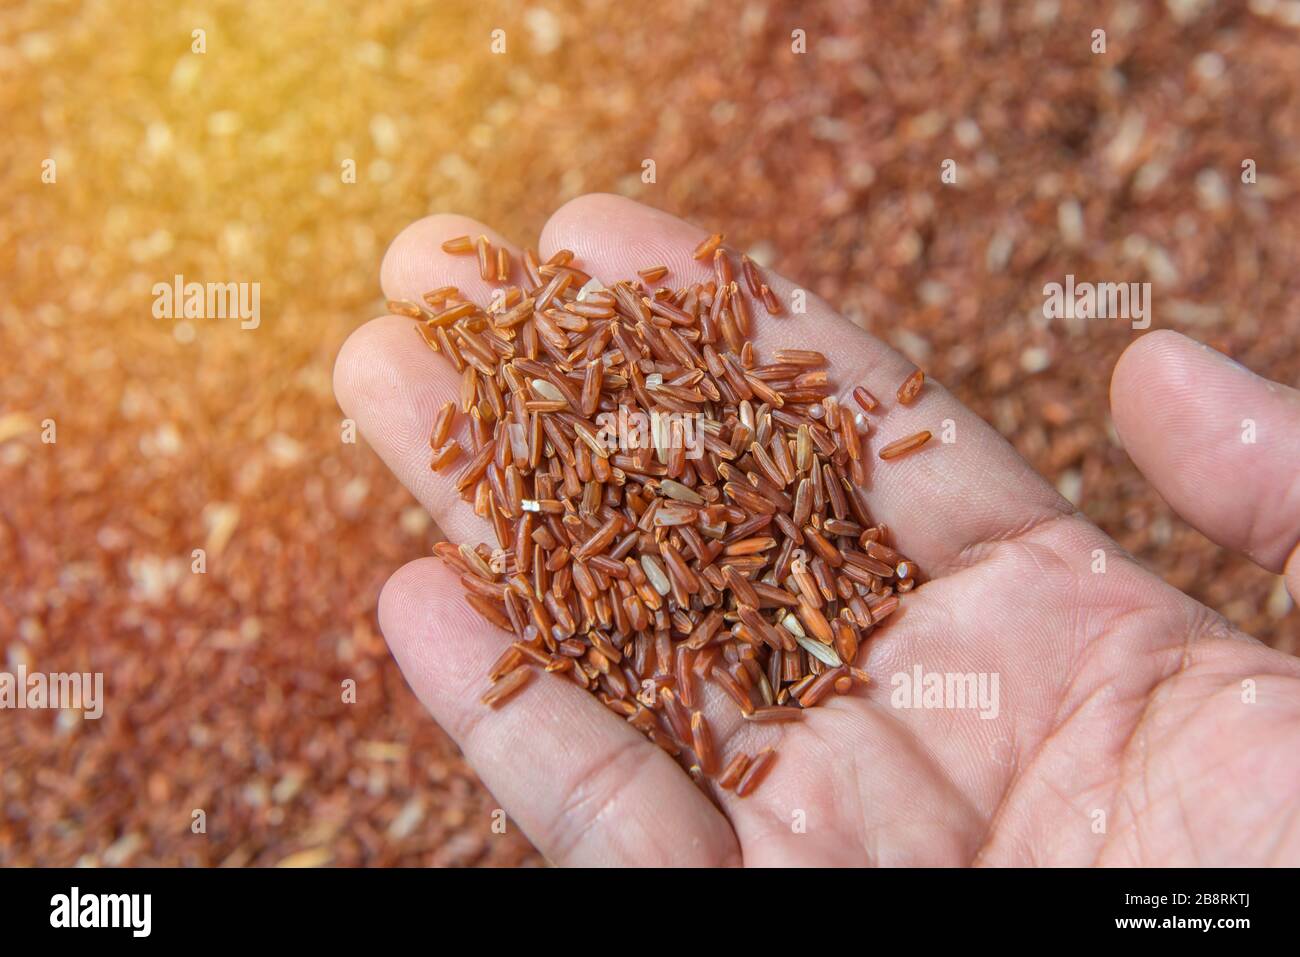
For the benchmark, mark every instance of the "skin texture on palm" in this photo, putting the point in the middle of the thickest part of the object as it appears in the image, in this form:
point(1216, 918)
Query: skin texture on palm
point(1119, 694)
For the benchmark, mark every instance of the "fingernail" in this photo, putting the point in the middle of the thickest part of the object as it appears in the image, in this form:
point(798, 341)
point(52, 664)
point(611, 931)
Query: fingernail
point(1227, 359)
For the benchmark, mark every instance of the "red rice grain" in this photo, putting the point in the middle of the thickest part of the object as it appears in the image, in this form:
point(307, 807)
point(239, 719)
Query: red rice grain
point(903, 446)
point(774, 714)
point(404, 307)
point(733, 772)
point(702, 743)
point(445, 455)
point(706, 249)
point(639, 574)
point(442, 424)
point(821, 687)
point(910, 388)
point(865, 399)
point(685, 682)
point(507, 686)
point(753, 279)
point(754, 774)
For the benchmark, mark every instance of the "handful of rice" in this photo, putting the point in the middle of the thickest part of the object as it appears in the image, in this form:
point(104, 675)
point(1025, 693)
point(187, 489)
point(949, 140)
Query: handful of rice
point(669, 510)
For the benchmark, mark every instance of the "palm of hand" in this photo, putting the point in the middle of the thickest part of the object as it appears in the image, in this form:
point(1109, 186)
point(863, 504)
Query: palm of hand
point(1132, 724)
point(1126, 732)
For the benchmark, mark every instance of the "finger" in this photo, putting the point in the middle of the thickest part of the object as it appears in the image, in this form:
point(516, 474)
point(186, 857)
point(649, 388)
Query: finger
point(943, 501)
point(1221, 444)
point(388, 380)
point(586, 787)
point(415, 262)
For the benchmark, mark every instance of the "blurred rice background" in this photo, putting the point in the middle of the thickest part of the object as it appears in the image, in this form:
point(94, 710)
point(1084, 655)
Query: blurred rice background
point(223, 689)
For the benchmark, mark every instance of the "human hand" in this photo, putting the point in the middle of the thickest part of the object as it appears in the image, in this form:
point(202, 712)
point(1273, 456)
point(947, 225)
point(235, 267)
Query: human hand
point(1118, 693)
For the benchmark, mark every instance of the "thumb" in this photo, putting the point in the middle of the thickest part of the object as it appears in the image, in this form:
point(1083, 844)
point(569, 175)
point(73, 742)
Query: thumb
point(1221, 444)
